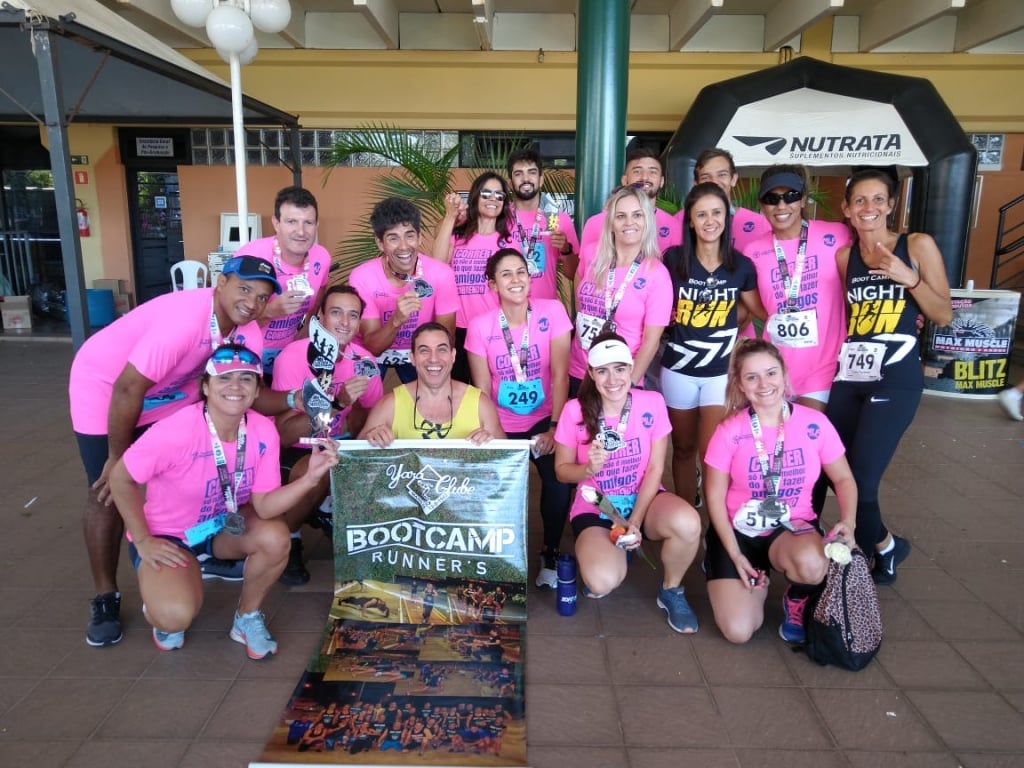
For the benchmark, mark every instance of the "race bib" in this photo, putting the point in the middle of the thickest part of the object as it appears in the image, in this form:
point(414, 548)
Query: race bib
point(394, 357)
point(623, 503)
point(794, 329)
point(587, 328)
point(520, 397)
point(760, 516)
point(537, 260)
point(861, 361)
point(199, 533)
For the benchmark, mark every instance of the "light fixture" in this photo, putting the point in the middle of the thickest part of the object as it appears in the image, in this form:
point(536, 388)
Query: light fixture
point(231, 25)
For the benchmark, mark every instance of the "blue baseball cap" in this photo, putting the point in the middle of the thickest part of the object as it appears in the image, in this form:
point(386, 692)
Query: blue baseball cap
point(252, 268)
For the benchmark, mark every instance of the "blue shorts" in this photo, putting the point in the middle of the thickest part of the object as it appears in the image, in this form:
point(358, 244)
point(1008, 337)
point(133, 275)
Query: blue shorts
point(203, 548)
point(95, 450)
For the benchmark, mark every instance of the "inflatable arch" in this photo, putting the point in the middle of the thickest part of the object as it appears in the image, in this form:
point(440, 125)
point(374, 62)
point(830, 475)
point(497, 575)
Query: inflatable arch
point(835, 119)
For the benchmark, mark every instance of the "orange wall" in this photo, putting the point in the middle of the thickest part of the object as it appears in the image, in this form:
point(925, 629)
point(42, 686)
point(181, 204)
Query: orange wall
point(206, 191)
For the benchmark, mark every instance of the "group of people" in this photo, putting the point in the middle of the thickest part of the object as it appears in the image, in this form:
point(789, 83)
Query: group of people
point(483, 348)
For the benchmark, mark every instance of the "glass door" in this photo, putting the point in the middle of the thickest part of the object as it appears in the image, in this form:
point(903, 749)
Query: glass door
point(155, 209)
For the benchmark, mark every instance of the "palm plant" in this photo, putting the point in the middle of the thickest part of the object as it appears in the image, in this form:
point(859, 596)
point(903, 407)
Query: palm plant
point(422, 177)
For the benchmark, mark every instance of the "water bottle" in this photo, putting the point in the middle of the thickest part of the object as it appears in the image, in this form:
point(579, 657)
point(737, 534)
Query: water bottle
point(566, 585)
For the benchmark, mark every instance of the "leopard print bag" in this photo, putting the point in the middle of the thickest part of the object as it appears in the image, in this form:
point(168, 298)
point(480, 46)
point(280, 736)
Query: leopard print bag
point(843, 623)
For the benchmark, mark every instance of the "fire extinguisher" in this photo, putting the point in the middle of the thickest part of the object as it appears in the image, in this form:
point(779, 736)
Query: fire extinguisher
point(83, 219)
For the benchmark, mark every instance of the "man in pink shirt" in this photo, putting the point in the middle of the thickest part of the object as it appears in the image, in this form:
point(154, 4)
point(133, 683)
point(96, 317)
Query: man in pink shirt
point(547, 239)
point(717, 166)
point(138, 370)
point(643, 170)
point(403, 288)
point(302, 265)
point(355, 387)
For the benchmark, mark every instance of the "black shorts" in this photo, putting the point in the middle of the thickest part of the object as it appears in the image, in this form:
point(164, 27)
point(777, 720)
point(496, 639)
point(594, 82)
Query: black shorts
point(580, 523)
point(95, 450)
point(290, 456)
point(204, 547)
point(718, 564)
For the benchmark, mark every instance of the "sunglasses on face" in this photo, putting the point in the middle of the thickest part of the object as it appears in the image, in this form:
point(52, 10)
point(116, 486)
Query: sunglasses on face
point(487, 194)
point(774, 198)
point(228, 355)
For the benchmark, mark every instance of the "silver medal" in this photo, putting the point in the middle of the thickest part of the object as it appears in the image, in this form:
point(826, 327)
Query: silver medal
point(611, 440)
point(423, 288)
point(234, 524)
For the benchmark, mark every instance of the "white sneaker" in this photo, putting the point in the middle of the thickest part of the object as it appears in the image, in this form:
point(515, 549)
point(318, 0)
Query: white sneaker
point(547, 576)
point(1010, 400)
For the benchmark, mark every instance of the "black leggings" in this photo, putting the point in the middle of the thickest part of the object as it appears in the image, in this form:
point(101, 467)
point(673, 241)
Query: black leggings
point(554, 494)
point(871, 420)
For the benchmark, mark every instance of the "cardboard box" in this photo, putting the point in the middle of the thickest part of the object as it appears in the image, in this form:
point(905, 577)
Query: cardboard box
point(117, 286)
point(123, 303)
point(17, 313)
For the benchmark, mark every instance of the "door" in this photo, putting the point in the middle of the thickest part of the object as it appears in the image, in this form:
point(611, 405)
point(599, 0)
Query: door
point(155, 208)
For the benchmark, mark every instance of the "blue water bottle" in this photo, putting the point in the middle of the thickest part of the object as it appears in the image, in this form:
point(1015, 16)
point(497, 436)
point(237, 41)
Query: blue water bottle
point(566, 585)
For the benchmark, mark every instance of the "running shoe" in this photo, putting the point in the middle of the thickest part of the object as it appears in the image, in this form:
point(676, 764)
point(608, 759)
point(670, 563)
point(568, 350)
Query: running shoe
point(104, 620)
point(250, 630)
point(225, 570)
point(680, 616)
point(1010, 400)
point(792, 627)
point(884, 570)
point(168, 641)
point(547, 575)
point(294, 572)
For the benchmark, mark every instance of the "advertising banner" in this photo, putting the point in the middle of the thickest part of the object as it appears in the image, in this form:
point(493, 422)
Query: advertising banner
point(970, 357)
point(421, 661)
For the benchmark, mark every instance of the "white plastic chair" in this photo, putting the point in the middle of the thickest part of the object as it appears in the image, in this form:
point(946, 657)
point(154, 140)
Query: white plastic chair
point(188, 274)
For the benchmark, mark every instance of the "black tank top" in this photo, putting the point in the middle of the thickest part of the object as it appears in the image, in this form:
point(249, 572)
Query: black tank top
point(881, 311)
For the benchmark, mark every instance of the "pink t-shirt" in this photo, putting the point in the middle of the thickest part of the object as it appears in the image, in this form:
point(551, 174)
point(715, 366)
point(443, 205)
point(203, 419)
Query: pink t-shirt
point(810, 369)
point(548, 320)
point(381, 295)
point(292, 370)
point(623, 472)
point(167, 339)
point(174, 460)
point(316, 268)
point(810, 442)
point(670, 232)
point(646, 301)
point(748, 226)
point(544, 284)
point(469, 260)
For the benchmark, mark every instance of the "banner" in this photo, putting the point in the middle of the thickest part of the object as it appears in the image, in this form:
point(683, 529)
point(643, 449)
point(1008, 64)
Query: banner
point(421, 660)
point(970, 357)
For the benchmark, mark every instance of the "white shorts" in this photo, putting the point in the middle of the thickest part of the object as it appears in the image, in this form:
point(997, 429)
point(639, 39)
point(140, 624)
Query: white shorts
point(821, 396)
point(684, 392)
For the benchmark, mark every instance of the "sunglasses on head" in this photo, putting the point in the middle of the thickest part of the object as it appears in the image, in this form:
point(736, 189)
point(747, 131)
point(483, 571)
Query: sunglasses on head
point(487, 194)
point(774, 198)
point(229, 355)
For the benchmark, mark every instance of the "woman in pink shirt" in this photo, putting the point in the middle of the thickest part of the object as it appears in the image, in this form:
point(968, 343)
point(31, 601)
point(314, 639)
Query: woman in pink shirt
point(762, 463)
point(465, 240)
point(519, 354)
point(624, 288)
point(212, 489)
point(612, 442)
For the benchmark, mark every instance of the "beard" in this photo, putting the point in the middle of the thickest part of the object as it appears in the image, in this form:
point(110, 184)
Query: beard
point(528, 195)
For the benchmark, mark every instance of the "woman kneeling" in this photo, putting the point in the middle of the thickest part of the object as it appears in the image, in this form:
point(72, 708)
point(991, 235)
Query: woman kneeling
point(763, 461)
point(212, 485)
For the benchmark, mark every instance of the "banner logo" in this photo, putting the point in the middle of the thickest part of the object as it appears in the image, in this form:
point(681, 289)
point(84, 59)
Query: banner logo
point(428, 487)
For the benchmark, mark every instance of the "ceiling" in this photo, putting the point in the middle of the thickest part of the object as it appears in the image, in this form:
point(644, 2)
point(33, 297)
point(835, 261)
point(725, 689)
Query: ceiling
point(732, 26)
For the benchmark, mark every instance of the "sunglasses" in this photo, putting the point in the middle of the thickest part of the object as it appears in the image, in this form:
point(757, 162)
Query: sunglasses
point(488, 194)
point(229, 355)
point(774, 198)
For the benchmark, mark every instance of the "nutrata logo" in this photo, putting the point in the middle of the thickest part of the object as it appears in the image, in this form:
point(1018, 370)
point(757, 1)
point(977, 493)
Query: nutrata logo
point(878, 145)
point(428, 487)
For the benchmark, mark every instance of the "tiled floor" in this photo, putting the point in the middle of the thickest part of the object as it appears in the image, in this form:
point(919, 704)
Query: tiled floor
point(610, 687)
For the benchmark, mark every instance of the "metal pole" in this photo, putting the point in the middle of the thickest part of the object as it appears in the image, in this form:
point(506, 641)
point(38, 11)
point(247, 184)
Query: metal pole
point(236, 117)
point(602, 84)
point(44, 45)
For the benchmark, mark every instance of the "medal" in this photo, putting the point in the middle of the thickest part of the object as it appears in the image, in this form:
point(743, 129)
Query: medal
point(364, 367)
point(234, 524)
point(707, 294)
point(422, 287)
point(611, 440)
point(773, 507)
point(609, 326)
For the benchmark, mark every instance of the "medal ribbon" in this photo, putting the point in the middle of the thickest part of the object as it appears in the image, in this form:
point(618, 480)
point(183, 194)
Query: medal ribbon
point(620, 428)
point(230, 493)
point(534, 232)
point(772, 479)
point(404, 275)
point(610, 306)
point(792, 284)
point(518, 360)
point(279, 265)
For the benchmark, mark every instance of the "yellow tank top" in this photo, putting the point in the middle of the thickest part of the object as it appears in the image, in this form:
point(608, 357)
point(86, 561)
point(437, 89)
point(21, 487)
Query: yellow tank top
point(465, 422)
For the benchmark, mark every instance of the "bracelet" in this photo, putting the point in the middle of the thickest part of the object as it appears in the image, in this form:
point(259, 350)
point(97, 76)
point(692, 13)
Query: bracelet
point(912, 287)
point(291, 399)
